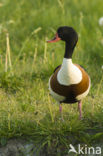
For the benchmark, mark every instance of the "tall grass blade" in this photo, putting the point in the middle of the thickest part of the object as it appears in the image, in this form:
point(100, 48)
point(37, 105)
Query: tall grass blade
point(8, 55)
point(45, 50)
point(34, 59)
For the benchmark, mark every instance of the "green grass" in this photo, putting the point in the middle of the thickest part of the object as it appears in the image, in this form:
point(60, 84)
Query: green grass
point(26, 109)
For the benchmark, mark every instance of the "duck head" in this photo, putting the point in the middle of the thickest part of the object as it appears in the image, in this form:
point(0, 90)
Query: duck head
point(67, 34)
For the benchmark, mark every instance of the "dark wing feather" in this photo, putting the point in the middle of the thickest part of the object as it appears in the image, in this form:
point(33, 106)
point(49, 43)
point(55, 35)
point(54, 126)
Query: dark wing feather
point(56, 68)
point(83, 67)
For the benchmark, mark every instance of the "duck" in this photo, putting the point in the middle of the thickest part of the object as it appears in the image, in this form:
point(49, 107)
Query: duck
point(70, 82)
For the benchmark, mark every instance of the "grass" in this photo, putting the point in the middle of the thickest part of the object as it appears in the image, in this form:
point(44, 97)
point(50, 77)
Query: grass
point(27, 61)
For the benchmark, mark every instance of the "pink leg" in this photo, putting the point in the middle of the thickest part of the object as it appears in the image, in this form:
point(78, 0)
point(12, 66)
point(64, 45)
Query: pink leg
point(60, 108)
point(61, 113)
point(80, 109)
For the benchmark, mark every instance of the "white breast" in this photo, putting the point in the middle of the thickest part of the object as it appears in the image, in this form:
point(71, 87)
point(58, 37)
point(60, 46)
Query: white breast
point(69, 73)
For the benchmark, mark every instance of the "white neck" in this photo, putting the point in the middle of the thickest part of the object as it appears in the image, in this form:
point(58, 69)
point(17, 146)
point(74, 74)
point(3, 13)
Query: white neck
point(69, 73)
point(66, 63)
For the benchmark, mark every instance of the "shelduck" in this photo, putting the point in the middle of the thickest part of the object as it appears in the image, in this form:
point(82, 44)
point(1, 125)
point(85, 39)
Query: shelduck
point(69, 83)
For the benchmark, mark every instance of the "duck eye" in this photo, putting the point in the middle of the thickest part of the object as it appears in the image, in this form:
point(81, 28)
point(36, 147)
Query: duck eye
point(59, 34)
